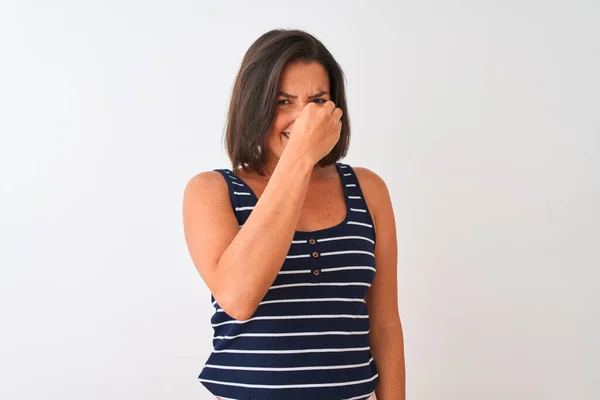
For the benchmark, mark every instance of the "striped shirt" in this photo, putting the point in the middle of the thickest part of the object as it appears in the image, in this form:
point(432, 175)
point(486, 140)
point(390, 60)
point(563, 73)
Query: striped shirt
point(309, 336)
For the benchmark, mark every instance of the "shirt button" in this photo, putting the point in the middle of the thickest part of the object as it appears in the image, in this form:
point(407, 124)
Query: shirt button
point(312, 241)
point(316, 272)
point(315, 254)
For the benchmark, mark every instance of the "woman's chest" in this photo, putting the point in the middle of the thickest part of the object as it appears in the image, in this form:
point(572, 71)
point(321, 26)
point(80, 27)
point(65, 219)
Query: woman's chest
point(324, 205)
point(322, 209)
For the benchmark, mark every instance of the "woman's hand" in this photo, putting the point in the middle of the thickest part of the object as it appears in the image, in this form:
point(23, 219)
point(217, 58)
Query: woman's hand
point(316, 130)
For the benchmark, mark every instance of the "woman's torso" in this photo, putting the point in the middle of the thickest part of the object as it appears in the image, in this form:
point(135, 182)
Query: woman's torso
point(309, 337)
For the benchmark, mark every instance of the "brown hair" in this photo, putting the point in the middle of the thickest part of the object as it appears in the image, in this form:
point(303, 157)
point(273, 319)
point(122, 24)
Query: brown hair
point(254, 95)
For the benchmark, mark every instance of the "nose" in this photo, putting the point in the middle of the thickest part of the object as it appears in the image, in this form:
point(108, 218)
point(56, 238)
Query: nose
point(295, 114)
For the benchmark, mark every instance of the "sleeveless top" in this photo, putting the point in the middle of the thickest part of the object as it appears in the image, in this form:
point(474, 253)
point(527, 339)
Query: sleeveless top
point(309, 337)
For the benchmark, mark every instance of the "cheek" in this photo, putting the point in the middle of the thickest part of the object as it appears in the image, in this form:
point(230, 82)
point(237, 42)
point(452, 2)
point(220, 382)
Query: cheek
point(280, 121)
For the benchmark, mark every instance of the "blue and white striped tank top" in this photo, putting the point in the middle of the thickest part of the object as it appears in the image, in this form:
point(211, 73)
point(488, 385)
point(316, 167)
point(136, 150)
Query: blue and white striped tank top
point(309, 337)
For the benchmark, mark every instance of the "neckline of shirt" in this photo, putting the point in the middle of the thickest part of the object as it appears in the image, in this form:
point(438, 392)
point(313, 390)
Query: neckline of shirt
point(318, 231)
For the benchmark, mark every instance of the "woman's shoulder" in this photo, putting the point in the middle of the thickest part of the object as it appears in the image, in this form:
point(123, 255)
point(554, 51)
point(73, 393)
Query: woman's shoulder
point(369, 179)
point(374, 189)
point(206, 183)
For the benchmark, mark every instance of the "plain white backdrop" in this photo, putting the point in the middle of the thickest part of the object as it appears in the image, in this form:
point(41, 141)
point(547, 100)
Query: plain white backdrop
point(482, 117)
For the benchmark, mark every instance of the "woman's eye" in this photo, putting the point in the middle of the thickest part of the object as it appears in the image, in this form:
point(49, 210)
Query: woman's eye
point(283, 101)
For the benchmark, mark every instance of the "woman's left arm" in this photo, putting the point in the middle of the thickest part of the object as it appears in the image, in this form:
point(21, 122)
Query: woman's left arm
point(386, 337)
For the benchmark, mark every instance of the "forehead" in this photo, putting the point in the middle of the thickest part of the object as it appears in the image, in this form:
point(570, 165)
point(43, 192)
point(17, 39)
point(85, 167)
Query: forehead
point(300, 78)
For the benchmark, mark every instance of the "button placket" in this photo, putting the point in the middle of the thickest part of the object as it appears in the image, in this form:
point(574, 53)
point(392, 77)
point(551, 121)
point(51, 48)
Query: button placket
point(314, 255)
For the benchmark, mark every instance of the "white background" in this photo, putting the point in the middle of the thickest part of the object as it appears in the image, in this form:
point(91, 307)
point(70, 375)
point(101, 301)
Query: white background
point(482, 117)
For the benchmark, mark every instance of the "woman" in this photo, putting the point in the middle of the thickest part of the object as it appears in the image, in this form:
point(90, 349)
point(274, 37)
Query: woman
point(297, 248)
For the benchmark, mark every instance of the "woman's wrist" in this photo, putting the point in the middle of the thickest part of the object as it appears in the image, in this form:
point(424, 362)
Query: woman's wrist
point(298, 159)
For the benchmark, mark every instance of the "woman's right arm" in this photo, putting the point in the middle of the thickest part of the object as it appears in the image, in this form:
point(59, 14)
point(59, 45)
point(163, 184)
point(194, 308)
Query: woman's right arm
point(240, 265)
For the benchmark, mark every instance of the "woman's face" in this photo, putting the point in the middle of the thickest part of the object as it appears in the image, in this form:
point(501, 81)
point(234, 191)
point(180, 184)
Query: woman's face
point(299, 84)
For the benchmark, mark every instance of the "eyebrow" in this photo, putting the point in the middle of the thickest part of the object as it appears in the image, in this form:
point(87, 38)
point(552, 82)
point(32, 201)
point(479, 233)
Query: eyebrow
point(289, 96)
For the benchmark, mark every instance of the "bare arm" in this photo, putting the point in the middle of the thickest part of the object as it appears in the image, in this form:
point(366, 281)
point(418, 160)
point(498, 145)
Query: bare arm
point(386, 336)
point(239, 265)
